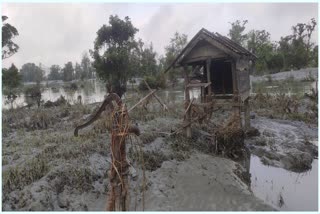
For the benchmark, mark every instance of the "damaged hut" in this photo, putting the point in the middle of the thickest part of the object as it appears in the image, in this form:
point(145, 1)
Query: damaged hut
point(220, 68)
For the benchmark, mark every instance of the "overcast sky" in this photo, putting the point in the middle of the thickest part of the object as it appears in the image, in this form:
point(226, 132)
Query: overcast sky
point(56, 33)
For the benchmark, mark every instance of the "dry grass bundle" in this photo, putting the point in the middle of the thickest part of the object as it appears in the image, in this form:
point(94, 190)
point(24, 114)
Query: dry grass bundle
point(41, 119)
point(279, 103)
point(230, 139)
point(19, 176)
point(60, 101)
point(286, 107)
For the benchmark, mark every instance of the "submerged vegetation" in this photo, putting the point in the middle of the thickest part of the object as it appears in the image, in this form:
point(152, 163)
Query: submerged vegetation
point(283, 106)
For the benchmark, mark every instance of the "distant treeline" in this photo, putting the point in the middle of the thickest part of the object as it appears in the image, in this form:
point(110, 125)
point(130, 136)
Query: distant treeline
point(30, 72)
point(293, 51)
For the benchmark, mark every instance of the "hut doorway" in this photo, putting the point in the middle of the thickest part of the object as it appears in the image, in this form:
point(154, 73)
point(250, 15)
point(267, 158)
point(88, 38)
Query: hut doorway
point(221, 78)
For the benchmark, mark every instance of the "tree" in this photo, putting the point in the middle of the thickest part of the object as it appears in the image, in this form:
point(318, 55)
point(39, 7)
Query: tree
point(177, 43)
point(314, 57)
point(296, 48)
point(236, 32)
point(31, 73)
point(67, 72)
point(33, 94)
point(161, 63)
point(11, 80)
point(87, 70)
point(54, 73)
point(258, 42)
point(148, 62)
point(136, 60)
point(310, 28)
point(116, 43)
point(78, 71)
point(274, 62)
point(8, 33)
point(256, 39)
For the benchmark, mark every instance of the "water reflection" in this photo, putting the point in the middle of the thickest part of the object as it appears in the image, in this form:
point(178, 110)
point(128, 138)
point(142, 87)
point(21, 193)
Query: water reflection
point(91, 91)
point(94, 91)
point(285, 190)
point(292, 88)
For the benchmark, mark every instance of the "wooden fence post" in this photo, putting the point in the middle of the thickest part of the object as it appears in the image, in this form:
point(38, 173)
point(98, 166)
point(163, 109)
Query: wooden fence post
point(247, 114)
point(187, 102)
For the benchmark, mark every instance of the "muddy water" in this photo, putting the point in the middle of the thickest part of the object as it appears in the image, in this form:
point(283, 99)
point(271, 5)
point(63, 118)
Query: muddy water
point(94, 91)
point(289, 88)
point(297, 191)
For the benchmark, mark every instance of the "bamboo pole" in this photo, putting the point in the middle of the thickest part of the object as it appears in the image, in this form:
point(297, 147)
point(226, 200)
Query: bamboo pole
point(143, 99)
point(246, 114)
point(155, 96)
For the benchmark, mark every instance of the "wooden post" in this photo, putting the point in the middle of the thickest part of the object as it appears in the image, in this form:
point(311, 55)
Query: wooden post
point(187, 99)
point(247, 114)
point(117, 199)
point(208, 65)
point(202, 94)
point(118, 175)
point(236, 98)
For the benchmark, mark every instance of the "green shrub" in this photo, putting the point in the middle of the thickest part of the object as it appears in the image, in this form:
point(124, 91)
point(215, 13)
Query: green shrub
point(33, 94)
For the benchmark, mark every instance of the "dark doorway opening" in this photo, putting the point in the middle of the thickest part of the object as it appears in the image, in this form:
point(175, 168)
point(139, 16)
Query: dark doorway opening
point(221, 77)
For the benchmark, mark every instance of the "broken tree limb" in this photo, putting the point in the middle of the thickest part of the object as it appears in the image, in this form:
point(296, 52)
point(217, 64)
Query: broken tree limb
point(143, 99)
point(155, 96)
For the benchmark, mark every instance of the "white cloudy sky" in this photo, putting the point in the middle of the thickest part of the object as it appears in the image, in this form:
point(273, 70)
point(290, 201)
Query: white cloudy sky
point(59, 32)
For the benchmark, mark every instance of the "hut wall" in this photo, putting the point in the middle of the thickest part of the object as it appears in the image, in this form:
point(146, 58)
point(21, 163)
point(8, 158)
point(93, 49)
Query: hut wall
point(202, 51)
point(243, 74)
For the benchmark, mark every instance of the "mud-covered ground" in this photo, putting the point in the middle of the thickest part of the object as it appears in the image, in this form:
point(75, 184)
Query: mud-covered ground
point(291, 145)
point(44, 167)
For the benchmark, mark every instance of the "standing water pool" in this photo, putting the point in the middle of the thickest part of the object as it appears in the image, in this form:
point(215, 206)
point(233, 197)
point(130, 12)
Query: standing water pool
point(285, 190)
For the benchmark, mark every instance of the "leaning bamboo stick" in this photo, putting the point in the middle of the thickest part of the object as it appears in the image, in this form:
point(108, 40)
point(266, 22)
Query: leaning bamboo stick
point(143, 99)
point(158, 98)
point(190, 122)
point(189, 106)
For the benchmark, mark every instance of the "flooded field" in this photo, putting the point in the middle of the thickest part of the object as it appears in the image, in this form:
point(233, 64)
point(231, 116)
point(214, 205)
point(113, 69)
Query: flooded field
point(94, 91)
point(297, 82)
point(273, 184)
point(288, 87)
point(91, 92)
